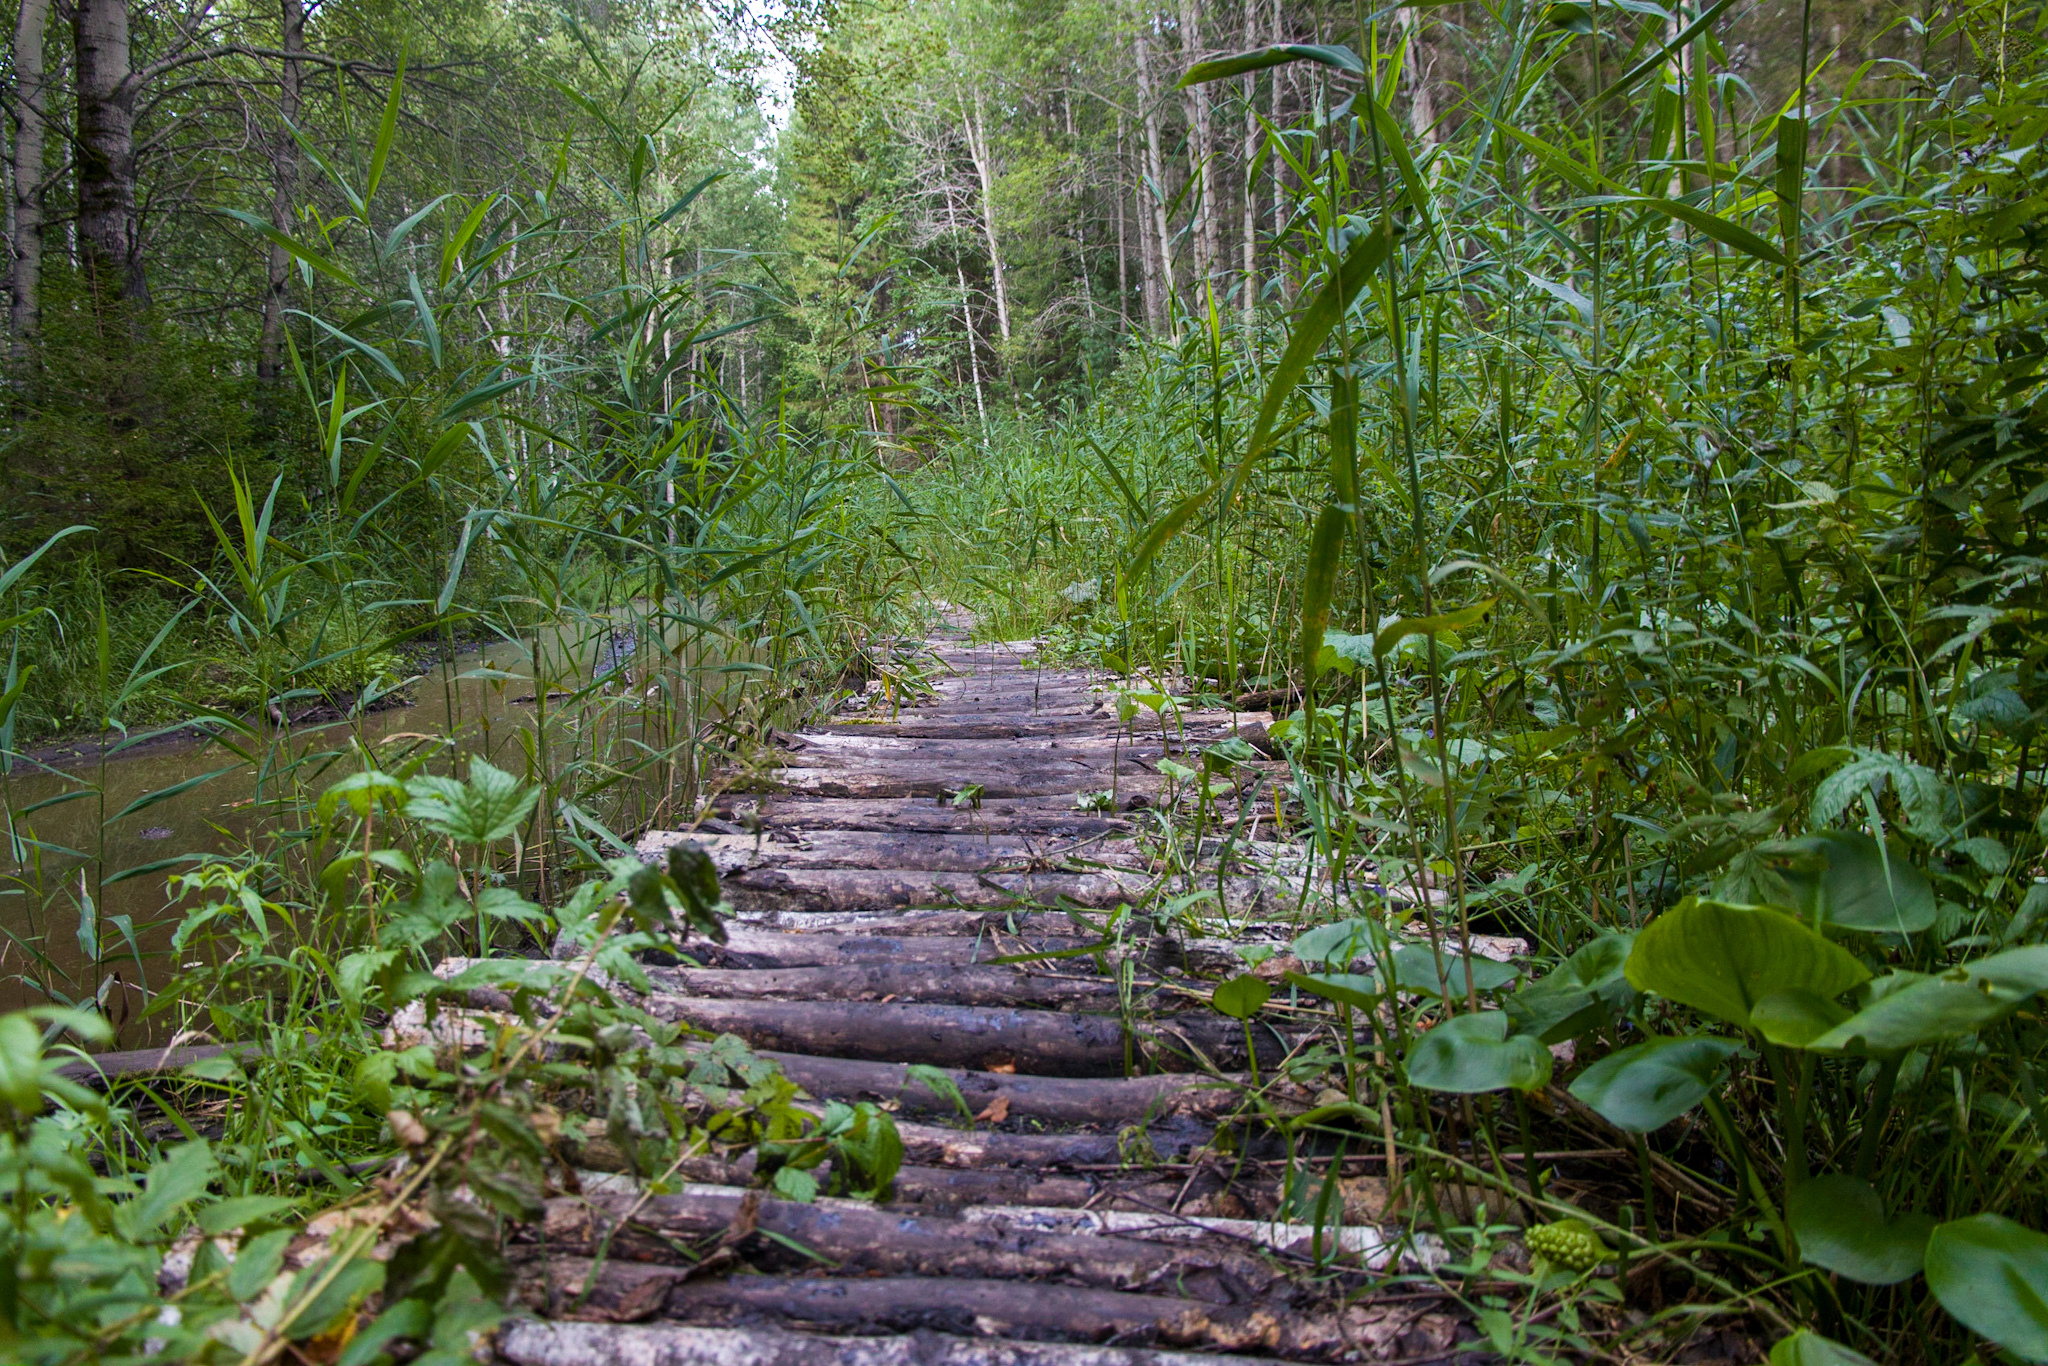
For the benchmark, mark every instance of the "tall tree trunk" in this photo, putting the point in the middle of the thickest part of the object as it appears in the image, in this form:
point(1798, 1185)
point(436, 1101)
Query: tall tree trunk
point(1155, 167)
point(1202, 147)
point(1276, 94)
point(973, 114)
point(284, 191)
point(1123, 257)
point(1251, 184)
point(1421, 96)
point(110, 235)
point(31, 105)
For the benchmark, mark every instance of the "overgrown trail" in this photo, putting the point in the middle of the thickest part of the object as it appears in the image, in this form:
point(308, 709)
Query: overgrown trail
point(1071, 1179)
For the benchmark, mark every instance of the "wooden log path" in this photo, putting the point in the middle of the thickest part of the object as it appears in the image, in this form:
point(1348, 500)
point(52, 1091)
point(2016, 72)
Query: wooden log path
point(889, 892)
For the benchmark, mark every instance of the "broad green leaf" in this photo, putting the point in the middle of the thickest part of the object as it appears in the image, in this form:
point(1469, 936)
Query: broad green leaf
point(1472, 1053)
point(1840, 1224)
point(1845, 878)
point(1578, 994)
point(1992, 1274)
point(490, 806)
point(1415, 969)
point(1721, 959)
point(1319, 580)
point(1808, 1348)
point(1242, 996)
point(1349, 989)
point(1336, 57)
point(1394, 634)
point(1339, 943)
point(1647, 1085)
point(1794, 1018)
point(1909, 1010)
point(241, 1211)
point(174, 1182)
point(259, 1259)
point(356, 1281)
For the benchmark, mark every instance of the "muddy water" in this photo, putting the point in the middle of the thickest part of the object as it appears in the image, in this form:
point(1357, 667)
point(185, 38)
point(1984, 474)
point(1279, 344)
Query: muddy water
point(94, 838)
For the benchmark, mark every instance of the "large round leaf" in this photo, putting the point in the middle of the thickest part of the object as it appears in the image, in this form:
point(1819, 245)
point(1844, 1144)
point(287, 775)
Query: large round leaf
point(1795, 1018)
point(1241, 996)
point(1469, 1053)
point(1841, 877)
point(1992, 1274)
point(1808, 1348)
point(1722, 959)
point(1840, 1225)
point(1647, 1085)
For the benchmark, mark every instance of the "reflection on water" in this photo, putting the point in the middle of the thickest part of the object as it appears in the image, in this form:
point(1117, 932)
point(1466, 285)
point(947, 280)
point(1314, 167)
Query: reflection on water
point(94, 838)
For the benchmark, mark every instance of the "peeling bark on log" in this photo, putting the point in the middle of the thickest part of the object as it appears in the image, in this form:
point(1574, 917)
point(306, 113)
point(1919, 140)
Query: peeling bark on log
point(531, 1343)
point(625, 1292)
point(1039, 1042)
point(861, 1240)
point(747, 947)
point(850, 889)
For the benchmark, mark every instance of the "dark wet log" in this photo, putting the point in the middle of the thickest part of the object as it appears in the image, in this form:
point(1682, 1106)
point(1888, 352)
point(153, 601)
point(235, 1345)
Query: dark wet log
point(974, 986)
point(861, 1240)
point(1108, 1101)
point(623, 1292)
point(144, 1062)
point(529, 1342)
point(1042, 1043)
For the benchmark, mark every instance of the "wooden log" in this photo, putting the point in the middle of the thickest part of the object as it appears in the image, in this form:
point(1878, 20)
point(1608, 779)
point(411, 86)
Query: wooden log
point(943, 780)
point(1107, 1101)
point(1054, 816)
point(747, 947)
point(530, 1342)
point(623, 1292)
point(934, 1145)
point(962, 985)
point(1042, 1043)
point(862, 1240)
point(869, 849)
point(859, 889)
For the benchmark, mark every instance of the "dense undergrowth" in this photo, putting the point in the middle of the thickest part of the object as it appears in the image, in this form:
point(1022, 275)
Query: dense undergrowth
point(1635, 526)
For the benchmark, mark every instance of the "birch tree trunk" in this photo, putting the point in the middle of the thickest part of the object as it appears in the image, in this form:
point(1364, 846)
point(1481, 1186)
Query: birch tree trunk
point(1251, 185)
point(974, 116)
point(1202, 148)
point(1155, 165)
point(109, 232)
point(284, 191)
point(1421, 98)
point(29, 108)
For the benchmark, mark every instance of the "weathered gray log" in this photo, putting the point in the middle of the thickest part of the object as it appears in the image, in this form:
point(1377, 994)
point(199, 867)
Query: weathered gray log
point(883, 749)
point(747, 947)
point(935, 1145)
point(975, 986)
point(624, 1292)
point(1055, 815)
point(862, 1240)
point(857, 889)
point(941, 780)
point(1043, 1043)
point(528, 1342)
point(142, 1062)
point(867, 849)
point(1107, 1101)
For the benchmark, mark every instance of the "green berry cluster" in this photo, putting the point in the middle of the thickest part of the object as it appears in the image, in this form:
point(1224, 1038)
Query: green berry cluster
point(1568, 1243)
